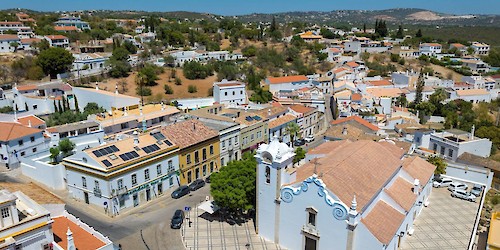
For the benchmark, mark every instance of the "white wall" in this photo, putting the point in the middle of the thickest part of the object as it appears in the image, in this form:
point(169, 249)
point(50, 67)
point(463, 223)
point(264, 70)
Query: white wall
point(52, 177)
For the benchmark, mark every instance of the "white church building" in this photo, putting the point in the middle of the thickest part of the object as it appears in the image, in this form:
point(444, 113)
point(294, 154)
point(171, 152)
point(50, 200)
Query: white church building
point(358, 195)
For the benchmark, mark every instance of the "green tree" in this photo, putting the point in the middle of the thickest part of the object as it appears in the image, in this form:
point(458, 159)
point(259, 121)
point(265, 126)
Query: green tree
point(402, 101)
point(35, 73)
point(77, 108)
point(233, 188)
point(419, 88)
point(195, 70)
point(192, 89)
point(426, 109)
point(419, 33)
point(54, 61)
point(54, 153)
point(300, 154)
point(292, 129)
point(130, 47)
point(148, 75)
point(439, 162)
point(399, 33)
point(168, 89)
point(261, 96)
point(66, 146)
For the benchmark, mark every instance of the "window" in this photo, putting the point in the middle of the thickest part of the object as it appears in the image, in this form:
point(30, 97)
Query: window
point(442, 150)
point(20, 142)
point(268, 175)
point(5, 212)
point(204, 153)
point(222, 161)
point(223, 144)
point(435, 147)
point(171, 181)
point(188, 159)
point(234, 93)
point(32, 139)
point(96, 184)
point(158, 169)
point(229, 142)
point(35, 106)
point(170, 166)
point(312, 218)
point(251, 137)
point(23, 153)
point(196, 157)
point(34, 150)
point(450, 152)
point(241, 92)
point(120, 184)
point(204, 170)
point(211, 149)
point(225, 93)
point(134, 179)
point(84, 182)
point(236, 140)
point(146, 174)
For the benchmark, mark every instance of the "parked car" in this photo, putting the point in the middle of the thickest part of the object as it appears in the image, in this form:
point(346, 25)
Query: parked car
point(180, 191)
point(443, 182)
point(457, 186)
point(299, 142)
point(476, 190)
point(463, 194)
point(196, 184)
point(309, 138)
point(207, 180)
point(177, 219)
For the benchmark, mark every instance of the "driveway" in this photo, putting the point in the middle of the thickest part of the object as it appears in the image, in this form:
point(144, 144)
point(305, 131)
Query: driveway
point(446, 223)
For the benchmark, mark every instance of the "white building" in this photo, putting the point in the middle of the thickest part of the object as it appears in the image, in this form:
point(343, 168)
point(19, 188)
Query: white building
point(77, 22)
point(124, 174)
point(182, 57)
point(86, 63)
point(58, 41)
point(6, 42)
point(230, 92)
point(480, 49)
point(308, 119)
point(229, 136)
point(24, 224)
point(340, 201)
point(107, 100)
point(471, 95)
point(17, 141)
point(22, 30)
point(476, 65)
point(430, 49)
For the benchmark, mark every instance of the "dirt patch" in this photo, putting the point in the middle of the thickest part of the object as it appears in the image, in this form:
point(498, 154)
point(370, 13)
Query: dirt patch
point(158, 92)
point(445, 73)
point(424, 16)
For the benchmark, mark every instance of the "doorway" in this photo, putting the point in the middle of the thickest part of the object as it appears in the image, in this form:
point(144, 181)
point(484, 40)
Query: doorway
point(86, 197)
point(311, 244)
point(148, 194)
point(136, 200)
point(160, 188)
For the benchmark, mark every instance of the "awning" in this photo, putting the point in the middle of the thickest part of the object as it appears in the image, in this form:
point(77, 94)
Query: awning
point(208, 206)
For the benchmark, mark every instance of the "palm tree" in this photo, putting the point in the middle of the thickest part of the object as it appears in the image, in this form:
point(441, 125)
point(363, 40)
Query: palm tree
point(292, 129)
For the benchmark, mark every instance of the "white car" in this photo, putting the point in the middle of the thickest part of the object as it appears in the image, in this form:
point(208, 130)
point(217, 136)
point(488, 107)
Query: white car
point(309, 138)
point(443, 182)
point(457, 186)
point(462, 194)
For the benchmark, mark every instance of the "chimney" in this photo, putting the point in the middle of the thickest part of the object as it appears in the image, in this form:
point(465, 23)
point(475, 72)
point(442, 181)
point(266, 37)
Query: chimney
point(71, 243)
point(471, 136)
point(194, 126)
point(29, 123)
point(116, 89)
point(96, 86)
point(269, 112)
point(162, 106)
point(136, 137)
point(416, 186)
point(344, 131)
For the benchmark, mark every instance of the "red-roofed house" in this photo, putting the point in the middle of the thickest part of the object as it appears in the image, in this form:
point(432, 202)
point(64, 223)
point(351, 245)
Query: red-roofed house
point(58, 41)
point(430, 49)
point(6, 42)
point(309, 119)
point(287, 83)
point(66, 29)
point(355, 119)
point(352, 195)
point(17, 140)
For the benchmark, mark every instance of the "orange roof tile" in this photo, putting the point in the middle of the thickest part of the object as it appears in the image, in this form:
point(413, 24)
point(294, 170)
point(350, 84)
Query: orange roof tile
point(301, 108)
point(358, 168)
point(11, 131)
point(26, 87)
point(458, 45)
point(282, 120)
point(356, 97)
point(418, 168)
point(82, 238)
point(382, 82)
point(285, 79)
point(401, 191)
point(65, 28)
point(352, 64)
point(30, 40)
point(35, 121)
point(383, 222)
point(188, 133)
point(56, 37)
point(327, 147)
point(356, 119)
point(8, 37)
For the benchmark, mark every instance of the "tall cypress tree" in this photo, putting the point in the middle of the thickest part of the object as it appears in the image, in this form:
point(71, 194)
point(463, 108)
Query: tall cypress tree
point(59, 106)
point(76, 105)
point(419, 88)
point(55, 107)
point(399, 34)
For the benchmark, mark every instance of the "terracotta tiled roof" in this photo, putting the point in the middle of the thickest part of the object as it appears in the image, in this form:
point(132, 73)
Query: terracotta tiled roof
point(301, 108)
point(495, 76)
point(65, 28)
point(418, 168)
point(36, 193)
point(11, 131)
point(276, 104)
point(468, 92)
point(285, 79)
point(35, 121)
point(282, 120)
point(26, 87)
point(356, 97)
point(8, 37)
point(327, 147)
point(358, 120)
point(383, 221)
point(231, 85)
point(82, 238)
point(458, 45)
point(385, 92)
point(6, 22)
point(30, 40)
point(359, 168)
point(401, 191)
point(432, 44)
point(56, 37)
point(334, 50)
point(188, 133)
point(352, 64)
point(354, 133)
point(380, 83)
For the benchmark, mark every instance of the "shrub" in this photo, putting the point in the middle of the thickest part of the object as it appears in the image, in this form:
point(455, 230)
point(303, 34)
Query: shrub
point(35, 73)
point(192, 89)
point(144, 91)
point(168, 89)
point(178, 81)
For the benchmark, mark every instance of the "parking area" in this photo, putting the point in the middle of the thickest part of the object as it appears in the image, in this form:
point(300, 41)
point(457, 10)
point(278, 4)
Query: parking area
point(206, 233)
point(446, 223)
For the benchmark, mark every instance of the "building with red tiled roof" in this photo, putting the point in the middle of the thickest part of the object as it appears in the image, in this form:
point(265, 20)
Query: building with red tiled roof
point(355, 119)
point(346, 189)
point(66, 28)
point(309, 119)
point(58, 41)
point(32, 121)
point(17, 140)
point(69, 231)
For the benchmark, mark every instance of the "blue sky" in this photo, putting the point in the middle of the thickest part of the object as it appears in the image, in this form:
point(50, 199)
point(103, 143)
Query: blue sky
point(236, 7)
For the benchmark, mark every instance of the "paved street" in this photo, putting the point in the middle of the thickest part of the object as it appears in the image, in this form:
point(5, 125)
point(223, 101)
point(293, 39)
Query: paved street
point(211, 233)
point(153, 219)
point(445, 224)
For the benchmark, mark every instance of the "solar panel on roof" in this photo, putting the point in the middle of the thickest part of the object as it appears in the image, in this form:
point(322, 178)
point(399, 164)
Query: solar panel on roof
point(158, 136)
point(249, 118)
point(97, 153)
point(107, 163)
point(105, 151)
point(151, 148)
point(114, 148)
point(168, 142)
point(257, 118)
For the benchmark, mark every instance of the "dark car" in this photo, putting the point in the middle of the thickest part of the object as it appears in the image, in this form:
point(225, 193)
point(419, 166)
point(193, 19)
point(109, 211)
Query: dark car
point(207, 180)
point(299, 142)
point(197, 184)
point(180, 191)
point(177, 219)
